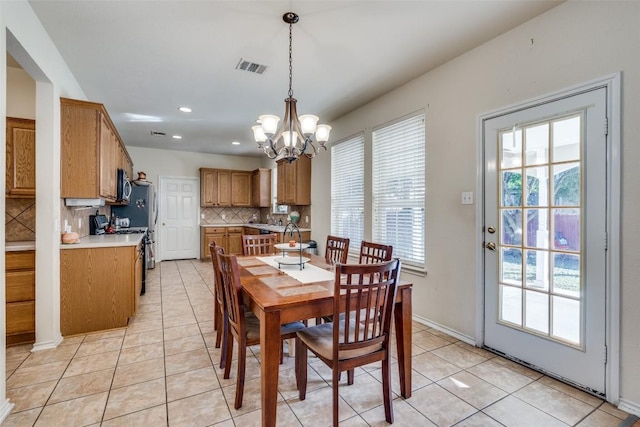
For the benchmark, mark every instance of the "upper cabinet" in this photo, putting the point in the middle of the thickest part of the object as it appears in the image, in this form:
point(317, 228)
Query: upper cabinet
point(21, 158)
point(222, 187)
point(261, 188)
point(294, 182)
point(91, 151)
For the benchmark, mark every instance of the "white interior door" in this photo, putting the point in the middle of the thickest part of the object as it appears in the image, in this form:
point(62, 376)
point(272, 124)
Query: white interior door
point(178, 218)
point(545, 236)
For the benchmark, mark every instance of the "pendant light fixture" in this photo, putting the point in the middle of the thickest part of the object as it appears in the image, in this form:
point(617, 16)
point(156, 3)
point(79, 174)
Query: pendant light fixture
point(294, 137)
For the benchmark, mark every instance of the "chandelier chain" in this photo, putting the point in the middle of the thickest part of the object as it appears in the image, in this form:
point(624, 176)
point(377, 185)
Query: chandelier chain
point(290, 60)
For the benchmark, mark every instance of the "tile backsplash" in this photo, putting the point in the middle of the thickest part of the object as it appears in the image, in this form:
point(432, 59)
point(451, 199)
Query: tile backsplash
point(234, 215)
point(78, 218)
point(20, 219)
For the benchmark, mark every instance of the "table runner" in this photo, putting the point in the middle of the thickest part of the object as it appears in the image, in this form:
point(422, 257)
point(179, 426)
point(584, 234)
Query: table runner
point(309, 274)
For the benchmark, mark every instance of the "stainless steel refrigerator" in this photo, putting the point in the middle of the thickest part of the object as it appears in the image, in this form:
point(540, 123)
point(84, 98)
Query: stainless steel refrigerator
point(142, 211)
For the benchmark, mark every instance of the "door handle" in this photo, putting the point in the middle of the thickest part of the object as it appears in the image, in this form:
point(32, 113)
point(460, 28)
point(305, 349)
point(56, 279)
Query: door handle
point(491, 229)
point(491, 246)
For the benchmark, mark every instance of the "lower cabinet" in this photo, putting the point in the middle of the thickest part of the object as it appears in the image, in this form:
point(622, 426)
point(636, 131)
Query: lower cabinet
point(230, 238)
point(20, 292)
point(234, 241)
point(99, 288)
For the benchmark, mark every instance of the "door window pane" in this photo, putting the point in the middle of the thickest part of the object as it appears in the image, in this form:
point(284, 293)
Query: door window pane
point(566, 184)
point(566, 227)
point(537, 186)
point(511, 188)
point(511, 305)
point(537, 144)
point(537, 311)
point(537, 228)
point(511, 266)
point(537, 269)
point(566, 274)
point(566, 319)
point(511, 227)
point(566, 139)
point(511, 149)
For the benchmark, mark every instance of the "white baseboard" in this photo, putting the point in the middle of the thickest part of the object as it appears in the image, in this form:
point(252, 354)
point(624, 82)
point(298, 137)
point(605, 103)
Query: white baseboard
point(630, 407)
point(464, 338)
point(47, 345)
point(5, 410)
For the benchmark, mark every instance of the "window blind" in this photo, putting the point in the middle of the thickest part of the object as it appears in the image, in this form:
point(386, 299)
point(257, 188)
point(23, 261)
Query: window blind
point(347, 191)
point(398, 187)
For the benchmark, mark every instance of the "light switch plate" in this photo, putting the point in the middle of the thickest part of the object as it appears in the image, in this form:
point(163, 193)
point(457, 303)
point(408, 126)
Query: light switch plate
point(467, 197)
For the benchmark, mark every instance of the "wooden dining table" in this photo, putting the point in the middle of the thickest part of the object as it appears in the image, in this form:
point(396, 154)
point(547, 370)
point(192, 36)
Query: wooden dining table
point(276, 297)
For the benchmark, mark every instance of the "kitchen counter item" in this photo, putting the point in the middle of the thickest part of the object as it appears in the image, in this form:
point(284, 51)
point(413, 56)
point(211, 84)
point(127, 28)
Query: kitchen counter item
point(70, 237)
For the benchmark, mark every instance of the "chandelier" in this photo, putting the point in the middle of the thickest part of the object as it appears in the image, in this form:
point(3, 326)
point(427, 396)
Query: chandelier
point(294, 137)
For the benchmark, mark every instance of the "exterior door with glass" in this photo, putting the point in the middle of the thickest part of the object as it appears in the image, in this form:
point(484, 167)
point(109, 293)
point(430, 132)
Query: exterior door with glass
point(545, 236)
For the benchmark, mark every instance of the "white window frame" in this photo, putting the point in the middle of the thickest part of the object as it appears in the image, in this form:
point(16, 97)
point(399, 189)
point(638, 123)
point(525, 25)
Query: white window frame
point(398, 217)
point(348, 153)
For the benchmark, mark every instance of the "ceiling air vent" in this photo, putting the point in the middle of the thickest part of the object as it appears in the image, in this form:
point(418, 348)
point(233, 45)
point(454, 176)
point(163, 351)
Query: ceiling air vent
point(156, 133)
point(251, 67)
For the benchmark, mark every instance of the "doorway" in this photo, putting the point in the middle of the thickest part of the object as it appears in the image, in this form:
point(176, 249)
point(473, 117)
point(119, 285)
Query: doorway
point(547, 217)
point(178, 218)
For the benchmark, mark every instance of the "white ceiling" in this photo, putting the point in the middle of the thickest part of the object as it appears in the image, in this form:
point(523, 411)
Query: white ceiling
point(144, 59)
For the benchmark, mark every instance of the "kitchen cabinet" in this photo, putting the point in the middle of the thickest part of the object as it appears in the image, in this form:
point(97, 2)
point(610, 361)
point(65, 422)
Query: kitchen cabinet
point(261, 188)
point(99, 287)
point(215, 187)
point(234, 241)
point(91, 151)
point(240, 188)
point(21, 158)
point(304, 236)
point(294, 182)
point(20, 293)
point(223, 187)
point(250, 230)
point(212, 234)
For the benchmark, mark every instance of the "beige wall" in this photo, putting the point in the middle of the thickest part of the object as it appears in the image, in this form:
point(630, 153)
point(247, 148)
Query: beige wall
point(572, 44)
point(21, 94)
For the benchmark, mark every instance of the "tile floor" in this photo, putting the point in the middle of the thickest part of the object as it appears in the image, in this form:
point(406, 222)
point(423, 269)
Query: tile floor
point(162, 370)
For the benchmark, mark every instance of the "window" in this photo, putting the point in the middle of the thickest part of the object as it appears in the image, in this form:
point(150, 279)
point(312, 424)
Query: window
point(347, 190)
point(398, 188)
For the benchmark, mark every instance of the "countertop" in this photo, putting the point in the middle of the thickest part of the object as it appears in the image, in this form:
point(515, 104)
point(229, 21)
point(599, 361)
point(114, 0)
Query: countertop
point(105, 240)
point(25, 245)
point(268, 227)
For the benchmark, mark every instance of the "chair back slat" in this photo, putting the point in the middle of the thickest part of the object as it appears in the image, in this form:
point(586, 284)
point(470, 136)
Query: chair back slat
point(371, 252)
point(217, 274)
point(337, 250)
point(259, 244)
point(365, 316)
point(232, 291)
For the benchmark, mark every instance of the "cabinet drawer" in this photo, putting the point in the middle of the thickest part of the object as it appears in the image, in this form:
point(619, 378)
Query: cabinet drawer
point(21, 317)
point(215, 230)
point(20, 286)
point(235, 230)
point(20, 260)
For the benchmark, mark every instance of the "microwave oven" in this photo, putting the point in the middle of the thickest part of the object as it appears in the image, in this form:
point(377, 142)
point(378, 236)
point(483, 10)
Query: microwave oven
point(123, 192)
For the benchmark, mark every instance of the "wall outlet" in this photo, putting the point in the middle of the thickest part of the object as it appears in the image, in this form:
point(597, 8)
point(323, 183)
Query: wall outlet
point(306, 219)
point(223, 216)
point(201, 216)
point(467, 198)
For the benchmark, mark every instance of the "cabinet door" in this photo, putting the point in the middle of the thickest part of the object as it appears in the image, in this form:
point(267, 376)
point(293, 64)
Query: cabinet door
point(282, 184)
point(241, 189)
point(234, 243)
point(218, 235)
point(21, 317)
point(21, 158)
point(224, 188)
point(261, 188)
point(108, 173)
point(208, 187)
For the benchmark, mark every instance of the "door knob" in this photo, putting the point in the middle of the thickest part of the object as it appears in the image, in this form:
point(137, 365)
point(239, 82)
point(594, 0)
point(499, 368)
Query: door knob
point(491, 229)
point(163, 223)
point(491, 246)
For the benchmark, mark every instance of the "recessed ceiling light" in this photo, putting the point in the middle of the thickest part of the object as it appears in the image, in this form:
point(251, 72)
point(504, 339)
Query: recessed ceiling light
point(185, 109)
point(235, 143)
point(177, 137)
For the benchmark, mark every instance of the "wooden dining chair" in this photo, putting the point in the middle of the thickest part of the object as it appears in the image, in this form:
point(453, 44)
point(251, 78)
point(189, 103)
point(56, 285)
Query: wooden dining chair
point(220, 320)
point(259, 244)
point(371, 252)
point(364, 298)
point(244, 326)
point(337, 250)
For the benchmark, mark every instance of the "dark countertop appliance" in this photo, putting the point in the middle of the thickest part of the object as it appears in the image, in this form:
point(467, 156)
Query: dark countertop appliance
point(97, 224)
